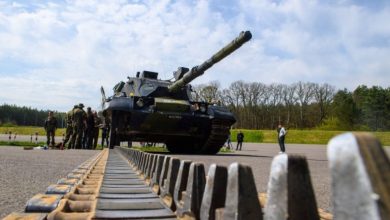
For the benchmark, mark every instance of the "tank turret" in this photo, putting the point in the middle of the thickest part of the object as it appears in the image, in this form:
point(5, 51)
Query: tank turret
point(184, 75)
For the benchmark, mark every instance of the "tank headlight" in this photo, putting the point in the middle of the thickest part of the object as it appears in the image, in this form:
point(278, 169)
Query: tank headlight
point(140, 103)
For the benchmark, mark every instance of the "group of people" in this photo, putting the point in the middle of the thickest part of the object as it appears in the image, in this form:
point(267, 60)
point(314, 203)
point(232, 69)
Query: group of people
point(82, 128)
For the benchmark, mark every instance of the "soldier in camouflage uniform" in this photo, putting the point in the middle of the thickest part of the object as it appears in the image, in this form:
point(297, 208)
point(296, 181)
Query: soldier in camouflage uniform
point(69, 128)
point(79, 118)
point(50, 128)
point(98, 124)
point(88, 134)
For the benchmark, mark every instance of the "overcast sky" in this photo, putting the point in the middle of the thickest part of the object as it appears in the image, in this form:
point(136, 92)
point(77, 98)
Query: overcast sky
point(54, 54)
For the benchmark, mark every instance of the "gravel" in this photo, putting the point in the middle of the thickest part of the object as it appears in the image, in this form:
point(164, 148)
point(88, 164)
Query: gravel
point(24, 173)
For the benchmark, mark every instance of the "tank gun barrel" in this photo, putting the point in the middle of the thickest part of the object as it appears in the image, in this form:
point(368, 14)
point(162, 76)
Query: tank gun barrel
point(196, 71)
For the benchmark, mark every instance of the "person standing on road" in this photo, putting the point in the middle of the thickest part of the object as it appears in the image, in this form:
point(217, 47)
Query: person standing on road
point(105, 131)
point(88, 138)
point(79, 122)
point(281, 136)
point(229, 143)
point(240, 139)
point(50, 128)
point(98, 124)
point(69, 127)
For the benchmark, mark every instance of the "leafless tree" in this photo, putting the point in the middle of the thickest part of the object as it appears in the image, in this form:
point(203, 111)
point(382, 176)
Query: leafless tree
point(323, 95)
point(304, 94)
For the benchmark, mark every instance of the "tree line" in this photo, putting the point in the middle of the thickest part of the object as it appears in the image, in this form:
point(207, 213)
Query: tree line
point(301, 105)
point(11, 115)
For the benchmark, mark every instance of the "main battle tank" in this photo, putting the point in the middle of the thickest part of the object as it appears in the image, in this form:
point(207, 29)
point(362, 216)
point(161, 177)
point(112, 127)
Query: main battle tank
point(147, 109)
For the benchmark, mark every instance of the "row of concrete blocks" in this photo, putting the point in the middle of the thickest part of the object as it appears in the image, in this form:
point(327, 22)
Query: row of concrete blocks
point(360, 172)
point(40, 205)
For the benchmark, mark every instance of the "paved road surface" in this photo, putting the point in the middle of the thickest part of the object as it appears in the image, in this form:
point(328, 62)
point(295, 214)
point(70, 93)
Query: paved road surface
point(259, 157)
point(25, 173)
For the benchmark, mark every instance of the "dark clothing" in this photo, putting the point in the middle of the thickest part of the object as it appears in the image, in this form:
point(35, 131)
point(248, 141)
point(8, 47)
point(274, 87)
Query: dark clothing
point(50, 135)
point(240, 139)
point(281, 136)
point(51, 124)
point(50, 127)
point(69, 128)
point(281, 144)
point(229, 143)
point(98, 122)
point(105, 131)
point(90, 130)
point(79, 117)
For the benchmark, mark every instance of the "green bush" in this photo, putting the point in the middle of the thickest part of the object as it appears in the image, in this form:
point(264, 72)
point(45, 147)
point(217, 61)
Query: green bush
point(333, 124)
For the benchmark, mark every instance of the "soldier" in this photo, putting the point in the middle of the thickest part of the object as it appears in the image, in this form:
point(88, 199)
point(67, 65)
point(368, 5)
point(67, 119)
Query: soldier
point(105, 131)
point(98, 124)
point(88, 138)
point(79, 122)
point(69, 128)
point(50, 128)
point(240, 139)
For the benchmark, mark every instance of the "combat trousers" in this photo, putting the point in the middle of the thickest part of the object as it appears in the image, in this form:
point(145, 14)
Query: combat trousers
point(77, 137)
point(68, 136)
point(89, 138)
point(50, 135)
point(95, 137)
point(239, 145)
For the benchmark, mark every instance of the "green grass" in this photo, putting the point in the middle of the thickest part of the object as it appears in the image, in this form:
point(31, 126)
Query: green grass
point(29, 130)
point(254, 136)
point(151, 149)
point(21, 143)
point(164, 150)
point(300, 136)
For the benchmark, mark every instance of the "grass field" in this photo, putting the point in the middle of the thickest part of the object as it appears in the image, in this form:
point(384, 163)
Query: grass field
point(299, 136)
point(29, 130)
point(255, 136)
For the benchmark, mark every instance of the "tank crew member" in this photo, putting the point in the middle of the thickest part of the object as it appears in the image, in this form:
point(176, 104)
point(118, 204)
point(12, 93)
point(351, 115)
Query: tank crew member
point(69, 127)
point(240, 139)
point(50, 128)
point(79, 122)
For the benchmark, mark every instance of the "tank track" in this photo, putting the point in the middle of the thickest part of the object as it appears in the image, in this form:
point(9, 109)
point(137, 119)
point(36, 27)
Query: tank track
point(219, 133)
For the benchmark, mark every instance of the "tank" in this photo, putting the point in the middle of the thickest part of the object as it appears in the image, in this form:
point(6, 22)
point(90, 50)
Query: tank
point(147, 109)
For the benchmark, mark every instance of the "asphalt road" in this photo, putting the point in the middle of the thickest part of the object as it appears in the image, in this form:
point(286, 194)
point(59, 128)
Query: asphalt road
point(259, 157)
point(24, 173)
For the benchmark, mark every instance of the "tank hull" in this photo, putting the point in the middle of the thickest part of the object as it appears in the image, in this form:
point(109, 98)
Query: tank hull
point(182, 130)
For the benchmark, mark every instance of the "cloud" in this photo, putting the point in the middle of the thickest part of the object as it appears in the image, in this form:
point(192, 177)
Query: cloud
point(59, 53)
